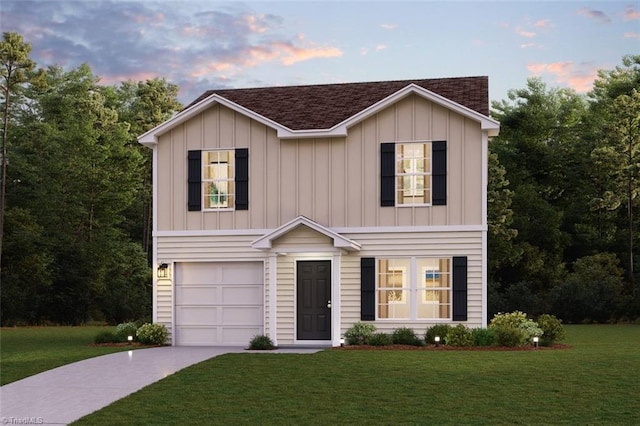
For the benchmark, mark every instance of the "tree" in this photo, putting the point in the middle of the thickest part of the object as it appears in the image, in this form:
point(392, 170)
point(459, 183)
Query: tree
point(15, 68)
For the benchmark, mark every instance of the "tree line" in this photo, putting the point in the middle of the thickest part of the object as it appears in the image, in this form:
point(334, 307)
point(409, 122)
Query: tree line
point(76, 211)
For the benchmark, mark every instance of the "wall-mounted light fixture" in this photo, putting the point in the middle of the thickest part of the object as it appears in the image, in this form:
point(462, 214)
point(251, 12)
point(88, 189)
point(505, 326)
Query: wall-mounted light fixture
point(163, 270)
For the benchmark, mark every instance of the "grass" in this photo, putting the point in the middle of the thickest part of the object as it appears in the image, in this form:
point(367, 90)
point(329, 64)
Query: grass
point(25, 351)
point(594, 382)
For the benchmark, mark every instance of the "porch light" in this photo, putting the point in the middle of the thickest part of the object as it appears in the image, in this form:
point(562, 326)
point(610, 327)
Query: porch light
point(163, 270)
point(437, 340)
point(536, 339)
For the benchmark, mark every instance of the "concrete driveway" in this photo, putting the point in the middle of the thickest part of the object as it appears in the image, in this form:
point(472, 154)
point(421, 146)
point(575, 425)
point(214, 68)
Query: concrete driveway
point(67, 393)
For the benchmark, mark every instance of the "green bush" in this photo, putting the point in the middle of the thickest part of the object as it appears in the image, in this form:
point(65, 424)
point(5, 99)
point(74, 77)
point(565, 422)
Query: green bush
point(261, 343)
point(552, 328)
point(459, 336)
point(518, 321)
point(508, 336)
point(405, 336)
point(484, 336)
point(152, 334)
point(359, 333)
point(380, 339)
point(436, 330)
point(126, 329)
point(106, 337)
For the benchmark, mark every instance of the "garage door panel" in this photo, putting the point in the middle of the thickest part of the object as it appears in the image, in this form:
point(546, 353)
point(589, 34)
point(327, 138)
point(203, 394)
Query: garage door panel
point(241, 315)
point(218, 303)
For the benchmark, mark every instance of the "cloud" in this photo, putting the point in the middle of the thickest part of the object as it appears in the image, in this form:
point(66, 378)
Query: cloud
point(578, 77)
point(598, 15)
point(543, 23)
point(527, 34)
point(632, 35)
point(388, 26)
point(631, 14)
point(380, 47)
point(527, 45)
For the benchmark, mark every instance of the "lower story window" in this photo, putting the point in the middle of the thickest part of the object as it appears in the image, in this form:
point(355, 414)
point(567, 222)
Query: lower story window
point(414, 288)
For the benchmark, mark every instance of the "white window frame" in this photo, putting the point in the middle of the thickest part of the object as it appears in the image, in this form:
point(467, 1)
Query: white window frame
point(412, 174)
point(413, 287)
point(230, 181)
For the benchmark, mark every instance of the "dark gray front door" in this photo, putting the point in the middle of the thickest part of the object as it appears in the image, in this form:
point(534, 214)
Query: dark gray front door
point(314, 300)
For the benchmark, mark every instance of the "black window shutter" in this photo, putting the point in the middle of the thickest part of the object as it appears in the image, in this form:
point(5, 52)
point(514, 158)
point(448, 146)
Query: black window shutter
point(439, 173)
point(194, 181)
point(387, 174)
point(460, 288)
point(368, 289)
point(242, 179)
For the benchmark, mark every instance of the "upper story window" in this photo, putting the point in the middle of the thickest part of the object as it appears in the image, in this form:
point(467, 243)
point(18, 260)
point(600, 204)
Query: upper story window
point(413, 173)
point(218, 179)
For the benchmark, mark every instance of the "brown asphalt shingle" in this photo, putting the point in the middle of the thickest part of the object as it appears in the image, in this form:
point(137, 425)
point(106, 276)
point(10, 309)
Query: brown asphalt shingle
point(323, 106)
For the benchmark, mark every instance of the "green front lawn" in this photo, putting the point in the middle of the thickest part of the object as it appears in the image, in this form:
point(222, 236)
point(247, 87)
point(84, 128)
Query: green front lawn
point(594, 382)
point(25, 351)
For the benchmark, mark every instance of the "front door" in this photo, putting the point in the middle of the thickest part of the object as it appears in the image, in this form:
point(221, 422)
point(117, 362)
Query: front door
point(314, 300)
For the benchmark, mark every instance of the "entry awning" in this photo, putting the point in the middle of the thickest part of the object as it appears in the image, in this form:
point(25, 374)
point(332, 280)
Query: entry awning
point(339, 241)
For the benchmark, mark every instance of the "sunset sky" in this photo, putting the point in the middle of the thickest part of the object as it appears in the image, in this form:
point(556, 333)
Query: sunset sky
point(201, 45)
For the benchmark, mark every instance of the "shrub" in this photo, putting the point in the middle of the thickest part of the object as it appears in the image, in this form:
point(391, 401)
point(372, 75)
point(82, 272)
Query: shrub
point(380, 339)
point(152, 334)
point(359, 333)
point(126, 329)
point(508, 336)
point(261, 343)
point(437, 330)
point(484, 336)
point(405, 336)
point(518, 321)
point(552, 328)
point(106, 337)
point(459, 336)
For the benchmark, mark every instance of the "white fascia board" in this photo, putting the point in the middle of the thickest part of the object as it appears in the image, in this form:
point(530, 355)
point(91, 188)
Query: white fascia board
point(265, 242)
point(487, 124)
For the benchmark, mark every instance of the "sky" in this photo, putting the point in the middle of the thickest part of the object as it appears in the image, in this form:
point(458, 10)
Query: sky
point(203, 45)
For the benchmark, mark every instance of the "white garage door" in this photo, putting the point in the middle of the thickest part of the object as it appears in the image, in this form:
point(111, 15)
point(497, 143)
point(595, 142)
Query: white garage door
point(218, 303)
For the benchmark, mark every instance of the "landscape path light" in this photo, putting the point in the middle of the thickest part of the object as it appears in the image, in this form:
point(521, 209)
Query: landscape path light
point(535, 342)
point(437, 340)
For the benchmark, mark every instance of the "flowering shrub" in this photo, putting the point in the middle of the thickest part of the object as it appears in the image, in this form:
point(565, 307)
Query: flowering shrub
point(459, 336)
point(359, 333)
point(519, 323)
point(126, 329)
point(152, 334)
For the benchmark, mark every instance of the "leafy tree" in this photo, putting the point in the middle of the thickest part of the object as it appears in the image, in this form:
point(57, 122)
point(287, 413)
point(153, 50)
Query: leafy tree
point(15, 68)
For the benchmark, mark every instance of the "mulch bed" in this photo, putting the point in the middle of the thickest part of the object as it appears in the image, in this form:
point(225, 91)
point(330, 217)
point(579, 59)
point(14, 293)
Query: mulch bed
point(449, 348)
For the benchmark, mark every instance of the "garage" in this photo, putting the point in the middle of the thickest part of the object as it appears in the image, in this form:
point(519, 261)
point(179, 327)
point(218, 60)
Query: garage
point(218, 304)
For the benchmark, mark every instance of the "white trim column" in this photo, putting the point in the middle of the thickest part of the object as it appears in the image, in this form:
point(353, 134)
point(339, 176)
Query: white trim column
point(336, 320)
point(273, 304)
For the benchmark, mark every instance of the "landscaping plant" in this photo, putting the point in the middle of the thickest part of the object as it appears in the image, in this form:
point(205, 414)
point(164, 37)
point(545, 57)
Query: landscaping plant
point(552, 328)
point(380, 339)
point(405, 336)
point(440, 330)
point(152, 334)
point(261, 343)
point(126, 329)
point(459, 336)
point(359, 333)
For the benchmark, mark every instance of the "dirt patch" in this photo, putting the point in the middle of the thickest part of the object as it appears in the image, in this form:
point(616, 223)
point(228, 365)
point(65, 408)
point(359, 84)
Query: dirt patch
point(449, 348)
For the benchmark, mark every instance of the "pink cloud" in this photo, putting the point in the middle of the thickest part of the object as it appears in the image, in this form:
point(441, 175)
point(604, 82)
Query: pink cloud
point(580, 78)
point(388, 26)
point(256, 23)
point(598, 15)
point(630, 14)
point(527, 45)
point(527, 34)
point(291, 54)
point(110, 80)
point(543, 23)
point(381, 47)
point(632, 35)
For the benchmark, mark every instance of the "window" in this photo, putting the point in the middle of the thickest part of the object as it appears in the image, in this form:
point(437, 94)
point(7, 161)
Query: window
point(218, 179)
point(413, 173)
point(414, 288)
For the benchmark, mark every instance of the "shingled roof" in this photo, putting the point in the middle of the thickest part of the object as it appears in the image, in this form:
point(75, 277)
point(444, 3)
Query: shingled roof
point(323, 106)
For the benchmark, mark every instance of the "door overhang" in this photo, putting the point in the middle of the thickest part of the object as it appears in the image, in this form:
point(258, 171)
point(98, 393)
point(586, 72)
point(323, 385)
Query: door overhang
point(339, 241)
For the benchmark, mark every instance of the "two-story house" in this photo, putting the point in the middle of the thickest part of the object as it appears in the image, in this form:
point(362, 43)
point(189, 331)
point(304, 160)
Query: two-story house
point(297, 211)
